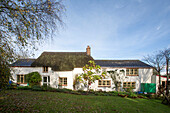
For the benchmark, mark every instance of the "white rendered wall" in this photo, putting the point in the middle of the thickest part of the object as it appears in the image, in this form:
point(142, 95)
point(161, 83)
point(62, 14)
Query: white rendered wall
point(25, 70)
point(144, 77)
point(157, 81)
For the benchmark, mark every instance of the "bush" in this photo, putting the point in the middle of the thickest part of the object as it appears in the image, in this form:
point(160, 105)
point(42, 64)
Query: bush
point(12, 86)
point(75, 92)
point(132, 95)
point(64, 90)
point(24, 88)
point(33, 78)
point(37, 88)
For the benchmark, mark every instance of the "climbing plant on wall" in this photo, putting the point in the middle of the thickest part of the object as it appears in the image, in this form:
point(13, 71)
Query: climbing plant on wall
point(117, 77)
point(91, 74)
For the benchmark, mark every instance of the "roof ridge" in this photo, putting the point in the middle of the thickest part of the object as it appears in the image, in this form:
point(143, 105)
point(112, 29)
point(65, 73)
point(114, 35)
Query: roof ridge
point(27, 59)
point(119, 60)
point(61, 52)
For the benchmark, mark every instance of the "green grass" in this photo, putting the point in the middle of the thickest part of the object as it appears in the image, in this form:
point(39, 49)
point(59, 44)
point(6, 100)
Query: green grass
point(39, 101)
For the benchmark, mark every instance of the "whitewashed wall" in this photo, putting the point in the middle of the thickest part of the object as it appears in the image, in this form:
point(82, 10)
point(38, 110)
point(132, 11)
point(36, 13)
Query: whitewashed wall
point(25, 70)
point(144, 77)
point(54, 75)
point(157, 81)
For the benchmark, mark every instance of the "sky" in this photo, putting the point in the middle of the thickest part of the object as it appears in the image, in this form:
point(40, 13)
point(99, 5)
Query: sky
point(114, 29)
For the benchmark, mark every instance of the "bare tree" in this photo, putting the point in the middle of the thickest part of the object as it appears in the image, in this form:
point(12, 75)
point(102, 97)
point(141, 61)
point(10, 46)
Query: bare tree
point(166, 54)
point(156, 61)
point(24, 23)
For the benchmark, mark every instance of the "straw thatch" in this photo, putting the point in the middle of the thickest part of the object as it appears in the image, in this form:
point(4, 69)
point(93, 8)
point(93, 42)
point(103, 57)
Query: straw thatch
point(62, 61)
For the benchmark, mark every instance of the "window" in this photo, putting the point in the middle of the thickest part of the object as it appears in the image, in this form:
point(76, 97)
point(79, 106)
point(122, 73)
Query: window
point(129, 85)
point(132, 72)
point(45, 69)
point(104, 83)
point(46, 80)
point(164, 84)
point(63, 81)
point(21, 79)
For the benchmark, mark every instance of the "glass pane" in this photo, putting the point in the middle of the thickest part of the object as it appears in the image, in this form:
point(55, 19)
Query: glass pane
point(127, 71)
point(25, 81)
point(100, 83)
point(65, 81)
point(18, 78)
point(128, 84)
point(104, 82)
point(124, 84)
point(133, 84)
point(22, 79)
point(131, 71)
point(136, 71)
point(45, 79)
point(108, 82)
point(44, 69)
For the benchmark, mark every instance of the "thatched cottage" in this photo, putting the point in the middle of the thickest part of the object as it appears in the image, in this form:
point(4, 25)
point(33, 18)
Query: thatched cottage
point(62, 67)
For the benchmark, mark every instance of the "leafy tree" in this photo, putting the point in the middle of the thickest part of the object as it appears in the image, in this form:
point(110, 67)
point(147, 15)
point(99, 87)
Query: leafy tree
point(91, 74)
point(24, 24)
point(33, 78)
point(3, 78)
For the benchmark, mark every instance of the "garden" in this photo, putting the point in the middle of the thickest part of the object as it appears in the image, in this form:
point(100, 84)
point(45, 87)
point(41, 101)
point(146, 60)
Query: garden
point(46, 99)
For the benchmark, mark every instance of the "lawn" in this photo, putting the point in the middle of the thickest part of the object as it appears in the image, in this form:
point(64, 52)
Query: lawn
point(39, 101)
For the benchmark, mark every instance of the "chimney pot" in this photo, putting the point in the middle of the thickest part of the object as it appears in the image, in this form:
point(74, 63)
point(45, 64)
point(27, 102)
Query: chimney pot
point(88, 50)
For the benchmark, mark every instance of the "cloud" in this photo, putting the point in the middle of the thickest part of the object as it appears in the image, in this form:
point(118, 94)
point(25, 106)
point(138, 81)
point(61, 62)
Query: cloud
point(114, 29)
point(157, 28)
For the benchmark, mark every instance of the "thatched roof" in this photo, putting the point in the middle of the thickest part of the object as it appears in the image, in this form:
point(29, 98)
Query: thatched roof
point(62, 61)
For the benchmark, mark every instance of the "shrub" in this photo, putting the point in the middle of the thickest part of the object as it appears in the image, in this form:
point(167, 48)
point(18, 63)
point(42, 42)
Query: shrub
point(24, 88)
point(33, 78)
point(37, 88)
point(75, 92)
point(64, 90)
point(132, 95)
point(12, 86)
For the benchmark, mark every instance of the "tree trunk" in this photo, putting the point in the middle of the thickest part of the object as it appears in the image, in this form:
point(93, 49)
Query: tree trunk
point(159, 78)
point(167, 74)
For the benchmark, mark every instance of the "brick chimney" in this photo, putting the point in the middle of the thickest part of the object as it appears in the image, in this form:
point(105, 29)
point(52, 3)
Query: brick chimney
point(88, 50)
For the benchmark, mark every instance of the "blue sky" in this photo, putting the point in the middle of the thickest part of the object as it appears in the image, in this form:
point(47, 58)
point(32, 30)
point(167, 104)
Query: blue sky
point(114, 29)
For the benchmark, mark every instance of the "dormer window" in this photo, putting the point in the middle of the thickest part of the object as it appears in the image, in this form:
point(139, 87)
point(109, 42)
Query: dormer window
point(45, 69)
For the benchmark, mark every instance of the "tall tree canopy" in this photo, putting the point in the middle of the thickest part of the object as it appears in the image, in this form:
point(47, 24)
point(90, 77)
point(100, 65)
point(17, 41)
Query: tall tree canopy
point(23, 23)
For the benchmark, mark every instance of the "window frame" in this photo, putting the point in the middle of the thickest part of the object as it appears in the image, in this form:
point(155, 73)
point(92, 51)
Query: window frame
point(62, 82)
point(129, 85)
point(45, 69)
point(47, 82)
point(23, 77)
point(104, 83)
point(132, 72)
